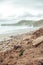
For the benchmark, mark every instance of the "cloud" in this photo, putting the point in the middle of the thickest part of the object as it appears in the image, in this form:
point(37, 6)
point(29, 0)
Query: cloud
point(20, 8)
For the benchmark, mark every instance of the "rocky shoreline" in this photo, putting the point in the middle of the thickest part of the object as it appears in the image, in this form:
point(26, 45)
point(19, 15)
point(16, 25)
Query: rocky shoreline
point(20, 50)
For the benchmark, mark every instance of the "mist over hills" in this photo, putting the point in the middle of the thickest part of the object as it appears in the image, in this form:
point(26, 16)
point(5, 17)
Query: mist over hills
point(38, 23)
point(30, 23)
point(26, 23)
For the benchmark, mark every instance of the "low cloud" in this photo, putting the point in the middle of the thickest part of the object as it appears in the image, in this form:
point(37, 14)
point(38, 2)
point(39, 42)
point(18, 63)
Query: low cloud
point(21, 9)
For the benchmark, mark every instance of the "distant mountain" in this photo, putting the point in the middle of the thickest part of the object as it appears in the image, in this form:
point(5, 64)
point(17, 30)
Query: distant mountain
point(25, 22)
point(38, 23)
point(30, 23)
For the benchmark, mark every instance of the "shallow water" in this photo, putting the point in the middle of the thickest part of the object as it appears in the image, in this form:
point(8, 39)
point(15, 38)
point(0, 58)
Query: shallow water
point(8, 29)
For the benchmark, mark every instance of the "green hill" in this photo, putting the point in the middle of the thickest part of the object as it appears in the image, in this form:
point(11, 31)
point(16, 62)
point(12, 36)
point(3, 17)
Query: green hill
point(25, 22)
point(38, 23)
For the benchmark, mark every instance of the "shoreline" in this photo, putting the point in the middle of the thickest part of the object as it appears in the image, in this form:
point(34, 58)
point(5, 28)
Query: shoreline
point(16, 32)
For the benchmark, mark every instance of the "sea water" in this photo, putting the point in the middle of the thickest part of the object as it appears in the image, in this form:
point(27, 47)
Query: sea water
point(15, 29)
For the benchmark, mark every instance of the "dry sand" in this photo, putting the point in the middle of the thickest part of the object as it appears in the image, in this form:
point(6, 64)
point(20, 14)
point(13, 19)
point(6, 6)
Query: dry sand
point(19, 50)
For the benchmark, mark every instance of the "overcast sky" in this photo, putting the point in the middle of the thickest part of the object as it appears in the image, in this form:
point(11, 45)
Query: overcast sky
point(15, 9)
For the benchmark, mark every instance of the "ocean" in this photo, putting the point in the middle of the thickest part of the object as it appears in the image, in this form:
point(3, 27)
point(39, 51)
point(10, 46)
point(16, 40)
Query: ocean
point(5, 28)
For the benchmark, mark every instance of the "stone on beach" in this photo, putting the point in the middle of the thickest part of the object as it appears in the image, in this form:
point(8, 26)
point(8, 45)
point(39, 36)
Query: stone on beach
point(37, 41)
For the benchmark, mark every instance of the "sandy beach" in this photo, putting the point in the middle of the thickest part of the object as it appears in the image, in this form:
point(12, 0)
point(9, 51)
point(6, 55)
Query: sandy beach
point(23, 49)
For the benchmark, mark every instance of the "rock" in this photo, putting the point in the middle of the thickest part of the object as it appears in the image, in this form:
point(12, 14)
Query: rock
point(37, 41)
point(17, 46)
point(41, 63)
point(26, 38)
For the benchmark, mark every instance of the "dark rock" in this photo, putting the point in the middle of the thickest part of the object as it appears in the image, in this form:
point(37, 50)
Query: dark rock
point(40, 63)
point(17, 46)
